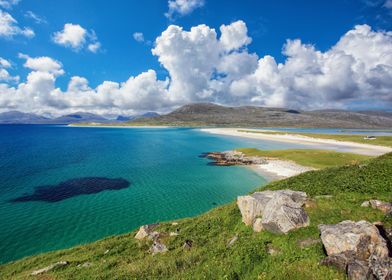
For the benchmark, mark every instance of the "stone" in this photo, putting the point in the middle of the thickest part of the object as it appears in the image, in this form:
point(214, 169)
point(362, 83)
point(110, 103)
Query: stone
point(158, 247)
point(282, 214)
point(362, 238)
point(252, 206)
point(365, 204)
point(86, 264)
point(173, 233)
point(258, 225)
point(359, 270)
point(174, 224)
point(381, 268)
point(339, 261)
point(304, 243)
point(107, 251)
point(232, 240)
point(49, 268)
point(145, 231)
point(384, 207)
point(187, 244)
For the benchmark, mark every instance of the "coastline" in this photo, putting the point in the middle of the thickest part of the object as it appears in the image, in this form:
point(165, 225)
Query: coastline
point(358, 148)
point(119, 126)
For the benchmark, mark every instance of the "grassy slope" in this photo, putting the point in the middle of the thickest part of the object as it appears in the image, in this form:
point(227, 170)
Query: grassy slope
point(312, 158)
point(380, 141)
point(247, 258)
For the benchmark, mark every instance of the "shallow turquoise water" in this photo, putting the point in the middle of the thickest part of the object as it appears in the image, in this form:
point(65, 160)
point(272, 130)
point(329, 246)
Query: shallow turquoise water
point(168, 181)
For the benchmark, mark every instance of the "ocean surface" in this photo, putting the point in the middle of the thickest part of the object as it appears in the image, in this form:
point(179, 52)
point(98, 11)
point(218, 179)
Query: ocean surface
point(62, 186)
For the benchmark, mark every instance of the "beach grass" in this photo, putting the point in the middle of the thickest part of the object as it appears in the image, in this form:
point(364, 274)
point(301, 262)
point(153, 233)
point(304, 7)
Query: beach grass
point(356, 138)
point(337, 192)
point(308, 157)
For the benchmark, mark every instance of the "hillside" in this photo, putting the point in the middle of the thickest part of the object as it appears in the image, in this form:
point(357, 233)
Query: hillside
point(337, 194)
point(208, 114)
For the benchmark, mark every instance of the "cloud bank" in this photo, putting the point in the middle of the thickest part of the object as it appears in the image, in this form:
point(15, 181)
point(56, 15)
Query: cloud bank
point(204, 66)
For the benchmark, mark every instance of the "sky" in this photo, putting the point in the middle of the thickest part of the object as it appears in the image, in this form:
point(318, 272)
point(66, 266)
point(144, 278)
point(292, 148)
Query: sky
point(129, 57)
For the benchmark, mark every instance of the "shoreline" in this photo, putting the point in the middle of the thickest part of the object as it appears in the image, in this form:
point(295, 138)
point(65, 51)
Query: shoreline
point(358, 148)
point(119, 126)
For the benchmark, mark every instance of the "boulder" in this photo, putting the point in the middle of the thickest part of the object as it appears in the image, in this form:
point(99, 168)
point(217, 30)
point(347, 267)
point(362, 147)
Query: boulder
point(49, 268)
point(145, 231)
point(282, 214)
point(158, 247)
point(252, 206)
point(362, 238)
point(384, 207)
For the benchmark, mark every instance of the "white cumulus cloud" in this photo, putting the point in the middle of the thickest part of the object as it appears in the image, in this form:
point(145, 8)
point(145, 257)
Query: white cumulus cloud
point(9, 27)
point(76, 37)
point(7, 4)
point(206, 66)
point(182, 7)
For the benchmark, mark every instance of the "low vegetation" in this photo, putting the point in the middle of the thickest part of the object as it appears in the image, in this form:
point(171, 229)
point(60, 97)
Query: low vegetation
point(337, 193)
point(380, 140)
point(307, 157)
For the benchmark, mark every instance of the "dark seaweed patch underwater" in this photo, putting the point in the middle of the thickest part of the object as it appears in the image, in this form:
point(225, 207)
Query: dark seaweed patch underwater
point(73, 187)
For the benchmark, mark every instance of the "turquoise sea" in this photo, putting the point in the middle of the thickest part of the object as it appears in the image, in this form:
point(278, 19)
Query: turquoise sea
point(168, 180)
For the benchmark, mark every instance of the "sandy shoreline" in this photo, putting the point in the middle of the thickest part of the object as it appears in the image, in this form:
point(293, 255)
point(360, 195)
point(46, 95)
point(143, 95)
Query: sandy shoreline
point(279, 169)
point(358, 148)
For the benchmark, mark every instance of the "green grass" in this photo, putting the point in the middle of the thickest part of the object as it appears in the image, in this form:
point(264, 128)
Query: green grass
point(379, 141)
point(311, 158)
point(248, 258)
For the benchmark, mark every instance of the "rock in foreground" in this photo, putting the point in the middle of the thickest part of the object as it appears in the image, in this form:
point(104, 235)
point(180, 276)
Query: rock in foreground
point(49, 268)
point(357, 248)
point(276, 211)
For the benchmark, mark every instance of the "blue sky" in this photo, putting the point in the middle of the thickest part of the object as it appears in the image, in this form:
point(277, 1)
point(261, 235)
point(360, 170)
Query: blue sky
point(268, 23)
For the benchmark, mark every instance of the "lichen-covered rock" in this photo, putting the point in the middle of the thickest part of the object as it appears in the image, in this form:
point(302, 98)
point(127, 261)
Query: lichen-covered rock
point(146, 231)
point(158, 247)
point(252, 206)
point(282, 214)
point(363, 238)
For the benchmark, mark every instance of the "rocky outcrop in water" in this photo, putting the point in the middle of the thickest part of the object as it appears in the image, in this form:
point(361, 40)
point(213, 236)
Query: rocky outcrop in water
point(274, 211)
point(357, 248)
point(232, 158)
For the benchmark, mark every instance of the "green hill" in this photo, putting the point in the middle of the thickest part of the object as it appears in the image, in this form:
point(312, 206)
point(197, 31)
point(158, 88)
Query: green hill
point(337, 193)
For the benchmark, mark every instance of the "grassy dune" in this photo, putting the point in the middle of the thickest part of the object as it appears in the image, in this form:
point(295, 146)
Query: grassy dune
point(380, 140)
point(311, 158)
point(248, 257)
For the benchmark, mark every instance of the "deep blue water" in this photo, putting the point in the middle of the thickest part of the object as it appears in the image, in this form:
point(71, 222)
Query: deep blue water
point(167, 180)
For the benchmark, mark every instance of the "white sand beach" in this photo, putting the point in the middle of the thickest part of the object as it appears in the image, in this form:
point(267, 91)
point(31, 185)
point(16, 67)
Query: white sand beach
point(276, 169)
point(352, 147)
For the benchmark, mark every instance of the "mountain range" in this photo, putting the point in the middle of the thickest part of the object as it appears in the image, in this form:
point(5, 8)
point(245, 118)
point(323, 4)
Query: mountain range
point(208, 114)
point(16, 117)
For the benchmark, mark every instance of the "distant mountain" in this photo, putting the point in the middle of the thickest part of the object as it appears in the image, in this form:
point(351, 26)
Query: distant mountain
point(78, 118)
point(145, 115)
point(208, 114)
point(16, 117)
point(13, 117)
